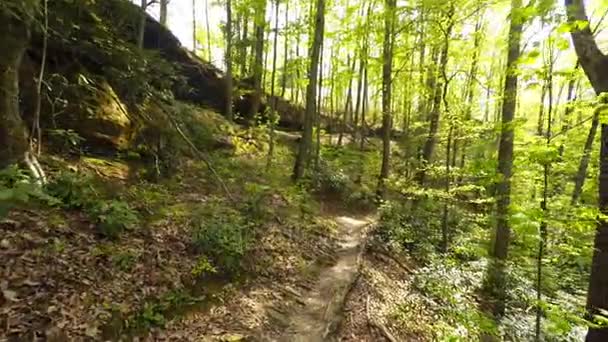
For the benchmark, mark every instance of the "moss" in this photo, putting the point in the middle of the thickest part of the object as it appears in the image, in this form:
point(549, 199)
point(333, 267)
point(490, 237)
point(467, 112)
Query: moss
point(111, 168)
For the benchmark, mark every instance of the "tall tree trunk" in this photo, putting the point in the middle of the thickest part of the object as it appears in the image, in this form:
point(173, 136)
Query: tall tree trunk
point(194, 45)
point(470, 87)
point(142, 24)
point(431, 141)
point(319, 111)
point(209, 54)
point(544, 202)
point(273, 99)
point(496, 285)
point(595, 63)
point(163, 12)
point(359, 95)
point(243, 47)
point(258, 65)
point(285, 49)
point(229, 60)
point(364, 108)
point(302, 158)
point(387, 71)
point(297, 81)
point(14, 41)
point(541, 108)
point(349, 102)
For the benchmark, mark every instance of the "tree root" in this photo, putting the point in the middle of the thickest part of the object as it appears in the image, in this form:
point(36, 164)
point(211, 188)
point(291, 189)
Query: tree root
point(383, 252)
point(34, 166)
point(376, 325)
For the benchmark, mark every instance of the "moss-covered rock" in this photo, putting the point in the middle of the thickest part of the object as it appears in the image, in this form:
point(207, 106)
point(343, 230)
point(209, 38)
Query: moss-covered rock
point(106, 119)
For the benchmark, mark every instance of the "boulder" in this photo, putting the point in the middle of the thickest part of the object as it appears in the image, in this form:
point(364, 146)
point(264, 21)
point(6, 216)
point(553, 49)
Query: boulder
point(102, 119)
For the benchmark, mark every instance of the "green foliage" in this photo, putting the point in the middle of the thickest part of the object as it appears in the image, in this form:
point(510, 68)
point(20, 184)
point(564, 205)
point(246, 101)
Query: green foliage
point(67, 139)
point(76, 191)
point(328, 180)
point(451, 286)
point(203, 267)
point(408, 229)
point(113, 217)
point(18, 189)
point(223, 234)
point(156, 312)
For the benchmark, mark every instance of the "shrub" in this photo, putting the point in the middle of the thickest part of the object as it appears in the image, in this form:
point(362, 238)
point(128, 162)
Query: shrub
point(17, 188)
point(113, 217)
point(224, 236)
point(330, 180)
point(77, 191)
point(402, 226)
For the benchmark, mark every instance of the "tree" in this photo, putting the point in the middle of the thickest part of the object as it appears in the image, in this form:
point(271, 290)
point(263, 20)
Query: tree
point(194, 45)
point(273, 97)
point(387, 70)
point(229, 59)
point(496, 285)
point(163, 12)
point(142, 24)
point(258, 64)
point(303, 156)
point(437, 87)
point(16, 18)
point(594, 63)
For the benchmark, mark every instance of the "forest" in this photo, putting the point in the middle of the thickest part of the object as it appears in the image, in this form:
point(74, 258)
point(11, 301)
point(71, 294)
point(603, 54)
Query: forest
point(289, 170)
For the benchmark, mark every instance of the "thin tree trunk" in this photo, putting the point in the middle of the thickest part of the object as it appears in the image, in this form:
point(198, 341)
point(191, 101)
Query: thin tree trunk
point(208, 31)
point(470, 87)
point(364, 108)
point(541, 109)
point(446, 206)
point(543, 205)
point(193, 25)
point(318, 113)
point(243, 47)
point(229, 60)
point(496, 285)
point(142, 24)
point(581, 174)
point(285, 57)
point(348, 106)
point(302, 158)
point(273, 99)
point(431, 141)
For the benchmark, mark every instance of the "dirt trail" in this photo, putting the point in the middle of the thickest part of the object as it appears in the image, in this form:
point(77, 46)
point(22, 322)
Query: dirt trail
point(321, 313)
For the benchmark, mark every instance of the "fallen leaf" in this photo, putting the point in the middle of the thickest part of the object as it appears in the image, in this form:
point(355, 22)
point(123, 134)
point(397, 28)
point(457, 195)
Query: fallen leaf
point(10, 295)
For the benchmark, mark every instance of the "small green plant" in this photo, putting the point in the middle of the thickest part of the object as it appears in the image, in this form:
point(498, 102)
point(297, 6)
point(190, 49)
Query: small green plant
point(203, 266)
point(75, 190)
point(66, 139)
point(124, 261)
point(224, 236)
point(17, 188)
point(113, 217)
point(150, 316)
